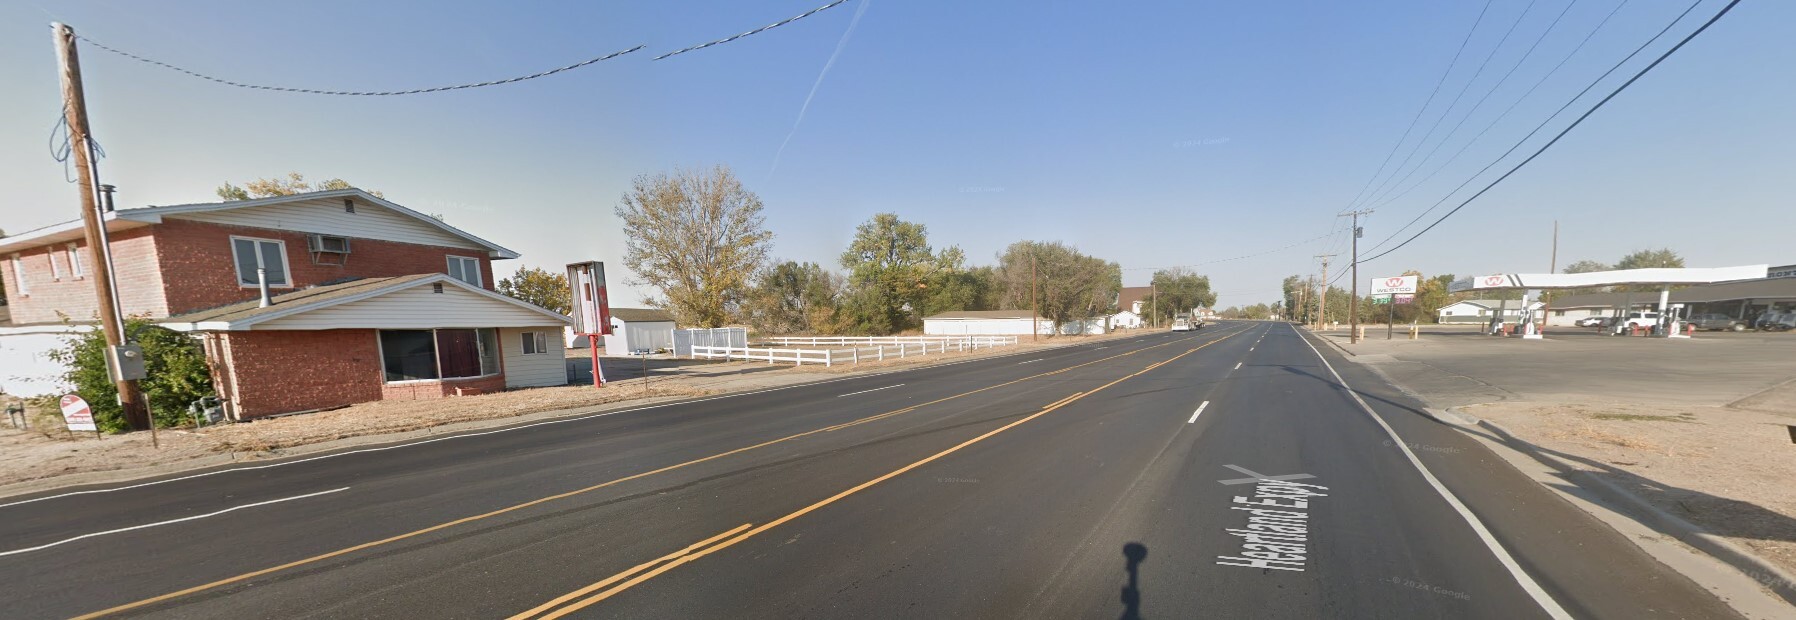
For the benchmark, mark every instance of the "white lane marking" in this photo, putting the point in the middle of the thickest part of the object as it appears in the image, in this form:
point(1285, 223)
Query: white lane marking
point(1533, 589)
point(1030, 361)
point(1100, 348)
point(1237, 365)
point(1251, 348)
point(168, 522)
point(872, 390)
point(1200, 411)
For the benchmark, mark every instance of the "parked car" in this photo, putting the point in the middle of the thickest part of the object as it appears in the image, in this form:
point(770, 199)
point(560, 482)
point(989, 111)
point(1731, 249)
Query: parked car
point(1641, 319)
point(1716, 322)
point(1776, 321)
point(1595, 321)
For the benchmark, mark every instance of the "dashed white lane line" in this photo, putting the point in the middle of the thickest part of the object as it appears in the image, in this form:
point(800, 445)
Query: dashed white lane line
point(1200, 411)
point(1031, 361)
point(168, 522)
point(872, 390)
point(1237, 365)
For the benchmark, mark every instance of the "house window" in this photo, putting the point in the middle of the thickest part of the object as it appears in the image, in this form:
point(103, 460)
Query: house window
point(535, 342)
point(75, 262)
point(18, 276)
point(465, 269)
point(423, 354)
point(55, 267)
point(251, 254)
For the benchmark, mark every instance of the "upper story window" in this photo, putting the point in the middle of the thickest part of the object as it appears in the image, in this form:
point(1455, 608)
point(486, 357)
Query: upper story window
point(465, 269)
point(20, 284)
point(251, 254)
point(55, 267)
point(75, 268)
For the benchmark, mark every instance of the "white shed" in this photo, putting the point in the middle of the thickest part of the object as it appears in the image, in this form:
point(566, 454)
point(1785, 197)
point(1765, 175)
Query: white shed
point(637, 329)
point(986, 323)
point(1126, 319)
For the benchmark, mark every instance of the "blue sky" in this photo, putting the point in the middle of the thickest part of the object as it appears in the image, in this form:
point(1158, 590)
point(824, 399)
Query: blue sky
point(1150, 134)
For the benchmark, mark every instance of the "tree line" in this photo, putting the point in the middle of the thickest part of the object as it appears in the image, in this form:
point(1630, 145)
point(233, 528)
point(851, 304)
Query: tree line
point(698, 239)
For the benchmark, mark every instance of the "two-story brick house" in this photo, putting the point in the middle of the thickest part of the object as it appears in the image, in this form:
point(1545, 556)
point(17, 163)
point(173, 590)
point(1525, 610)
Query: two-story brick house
point(369, 299)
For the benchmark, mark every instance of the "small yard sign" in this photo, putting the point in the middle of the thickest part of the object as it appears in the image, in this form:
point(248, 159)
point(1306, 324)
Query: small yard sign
point(77, 415)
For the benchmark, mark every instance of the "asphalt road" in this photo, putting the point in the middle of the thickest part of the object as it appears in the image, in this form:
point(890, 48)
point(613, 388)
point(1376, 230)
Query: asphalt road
point(1076, 482)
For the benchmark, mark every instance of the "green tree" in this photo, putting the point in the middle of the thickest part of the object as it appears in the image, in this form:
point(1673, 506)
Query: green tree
point(792, 297)
point(1587, 266)
point(699, 237)
point(537, 286)
point(1179, 290)
point(175, 373)
point(1642, 259)
point(1068, 284)
point(890, 271)
point(294, 183)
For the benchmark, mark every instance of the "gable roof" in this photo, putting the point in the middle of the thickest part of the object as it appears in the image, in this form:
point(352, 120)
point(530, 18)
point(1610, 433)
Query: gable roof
point(641, 315)
point(242, 315)
point(1128, 295)
point(123, 219)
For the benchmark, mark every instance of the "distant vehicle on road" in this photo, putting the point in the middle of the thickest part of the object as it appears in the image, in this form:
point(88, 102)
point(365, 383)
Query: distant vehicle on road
point(1595, 321)
point(1717, 322)
point(1181, 325)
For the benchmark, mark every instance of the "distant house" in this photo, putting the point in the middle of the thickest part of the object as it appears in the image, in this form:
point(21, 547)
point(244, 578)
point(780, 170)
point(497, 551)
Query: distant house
point(639, 329)
point(1127, 319)
point(986, 323)
point(368, 299)
point(1481, 311)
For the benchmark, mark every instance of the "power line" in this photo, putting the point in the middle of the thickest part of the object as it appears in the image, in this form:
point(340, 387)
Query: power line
point(1505, 114)
point(1593, 83)
point(1618, 90)
point(1425, 104)
point(389, 93)
point(757, 30)
point(1462, 90)
point(1480, 103)
point(1224, 260)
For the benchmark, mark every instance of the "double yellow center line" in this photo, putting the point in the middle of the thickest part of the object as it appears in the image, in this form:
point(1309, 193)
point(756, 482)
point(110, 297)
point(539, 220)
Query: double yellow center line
point(605, 588)
point(559, 496)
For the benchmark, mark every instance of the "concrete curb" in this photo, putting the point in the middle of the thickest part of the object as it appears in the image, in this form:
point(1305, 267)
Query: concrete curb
point(1760, 570)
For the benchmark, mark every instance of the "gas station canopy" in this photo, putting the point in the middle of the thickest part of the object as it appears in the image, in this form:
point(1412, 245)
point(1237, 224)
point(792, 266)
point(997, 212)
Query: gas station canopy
point(1653, 275)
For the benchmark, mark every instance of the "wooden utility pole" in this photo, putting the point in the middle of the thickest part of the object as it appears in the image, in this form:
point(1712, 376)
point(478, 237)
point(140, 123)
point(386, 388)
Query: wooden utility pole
point(1322, 297)
point(1034, 303)
point(1353, 302)
point(112, 322)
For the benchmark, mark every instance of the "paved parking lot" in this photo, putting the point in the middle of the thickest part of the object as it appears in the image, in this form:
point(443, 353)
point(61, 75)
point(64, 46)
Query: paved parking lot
point(1454, 366)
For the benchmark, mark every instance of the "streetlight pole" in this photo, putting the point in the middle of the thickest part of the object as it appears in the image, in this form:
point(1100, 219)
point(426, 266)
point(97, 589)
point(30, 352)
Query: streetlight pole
point(1353, 302)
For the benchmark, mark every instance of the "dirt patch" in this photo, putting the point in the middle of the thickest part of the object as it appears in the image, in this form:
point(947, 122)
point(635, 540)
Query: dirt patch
point(1725, 470)
point(33, 455)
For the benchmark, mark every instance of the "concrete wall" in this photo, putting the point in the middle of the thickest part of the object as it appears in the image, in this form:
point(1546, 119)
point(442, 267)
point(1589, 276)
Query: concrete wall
point(25, 365)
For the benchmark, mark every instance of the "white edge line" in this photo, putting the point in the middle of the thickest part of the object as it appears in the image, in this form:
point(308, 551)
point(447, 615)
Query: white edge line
point(1528, 584)
point(506, 429)
point(1200, 411)
point(168, 522)
point(872, 390)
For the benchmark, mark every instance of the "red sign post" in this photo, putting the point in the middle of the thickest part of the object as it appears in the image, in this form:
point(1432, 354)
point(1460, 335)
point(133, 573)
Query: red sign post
point(591, 309)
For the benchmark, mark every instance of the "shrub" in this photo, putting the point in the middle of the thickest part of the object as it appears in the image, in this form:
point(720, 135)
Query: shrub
point(174, 366)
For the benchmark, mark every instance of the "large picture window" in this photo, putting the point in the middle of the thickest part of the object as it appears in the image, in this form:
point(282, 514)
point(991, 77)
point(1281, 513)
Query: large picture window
point(423, 354)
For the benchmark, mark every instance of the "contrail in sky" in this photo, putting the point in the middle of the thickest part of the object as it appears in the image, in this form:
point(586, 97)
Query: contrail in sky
point(861, 10)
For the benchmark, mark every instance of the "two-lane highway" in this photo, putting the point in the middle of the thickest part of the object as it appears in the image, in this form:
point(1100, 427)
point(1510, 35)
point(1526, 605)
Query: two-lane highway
point(1223, 473)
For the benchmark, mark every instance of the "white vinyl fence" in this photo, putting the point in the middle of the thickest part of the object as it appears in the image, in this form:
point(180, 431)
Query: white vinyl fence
point(853, 350)
point(686, 339)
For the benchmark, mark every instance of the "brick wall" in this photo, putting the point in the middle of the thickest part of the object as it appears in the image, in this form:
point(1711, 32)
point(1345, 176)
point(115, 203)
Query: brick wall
point(199, 273)
point(287, 371)
point(139, 279)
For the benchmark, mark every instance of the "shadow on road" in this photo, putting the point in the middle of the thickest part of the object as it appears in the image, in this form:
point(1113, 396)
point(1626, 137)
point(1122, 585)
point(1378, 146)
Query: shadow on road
point(1134, 553)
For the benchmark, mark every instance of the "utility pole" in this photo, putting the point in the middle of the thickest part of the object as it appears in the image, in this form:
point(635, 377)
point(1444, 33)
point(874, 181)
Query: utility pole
point(1034, 303)
point(1353, 302)
point(1546, 297)
point(1322, 297)
point(1156, 291)
point(112, 322)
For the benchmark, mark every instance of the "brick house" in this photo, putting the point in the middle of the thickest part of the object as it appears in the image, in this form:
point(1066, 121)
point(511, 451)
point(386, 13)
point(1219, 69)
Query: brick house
point(344, 269)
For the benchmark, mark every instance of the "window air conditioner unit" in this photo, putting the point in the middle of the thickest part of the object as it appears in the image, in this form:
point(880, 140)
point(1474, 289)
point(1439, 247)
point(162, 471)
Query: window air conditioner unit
point(327, 243)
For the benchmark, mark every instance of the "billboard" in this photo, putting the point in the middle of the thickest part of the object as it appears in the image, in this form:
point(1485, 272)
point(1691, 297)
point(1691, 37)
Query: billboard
point(591, 309)
point(1394, 285)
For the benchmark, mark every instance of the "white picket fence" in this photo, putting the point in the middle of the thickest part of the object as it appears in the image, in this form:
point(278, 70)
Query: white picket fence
point(874, 349)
